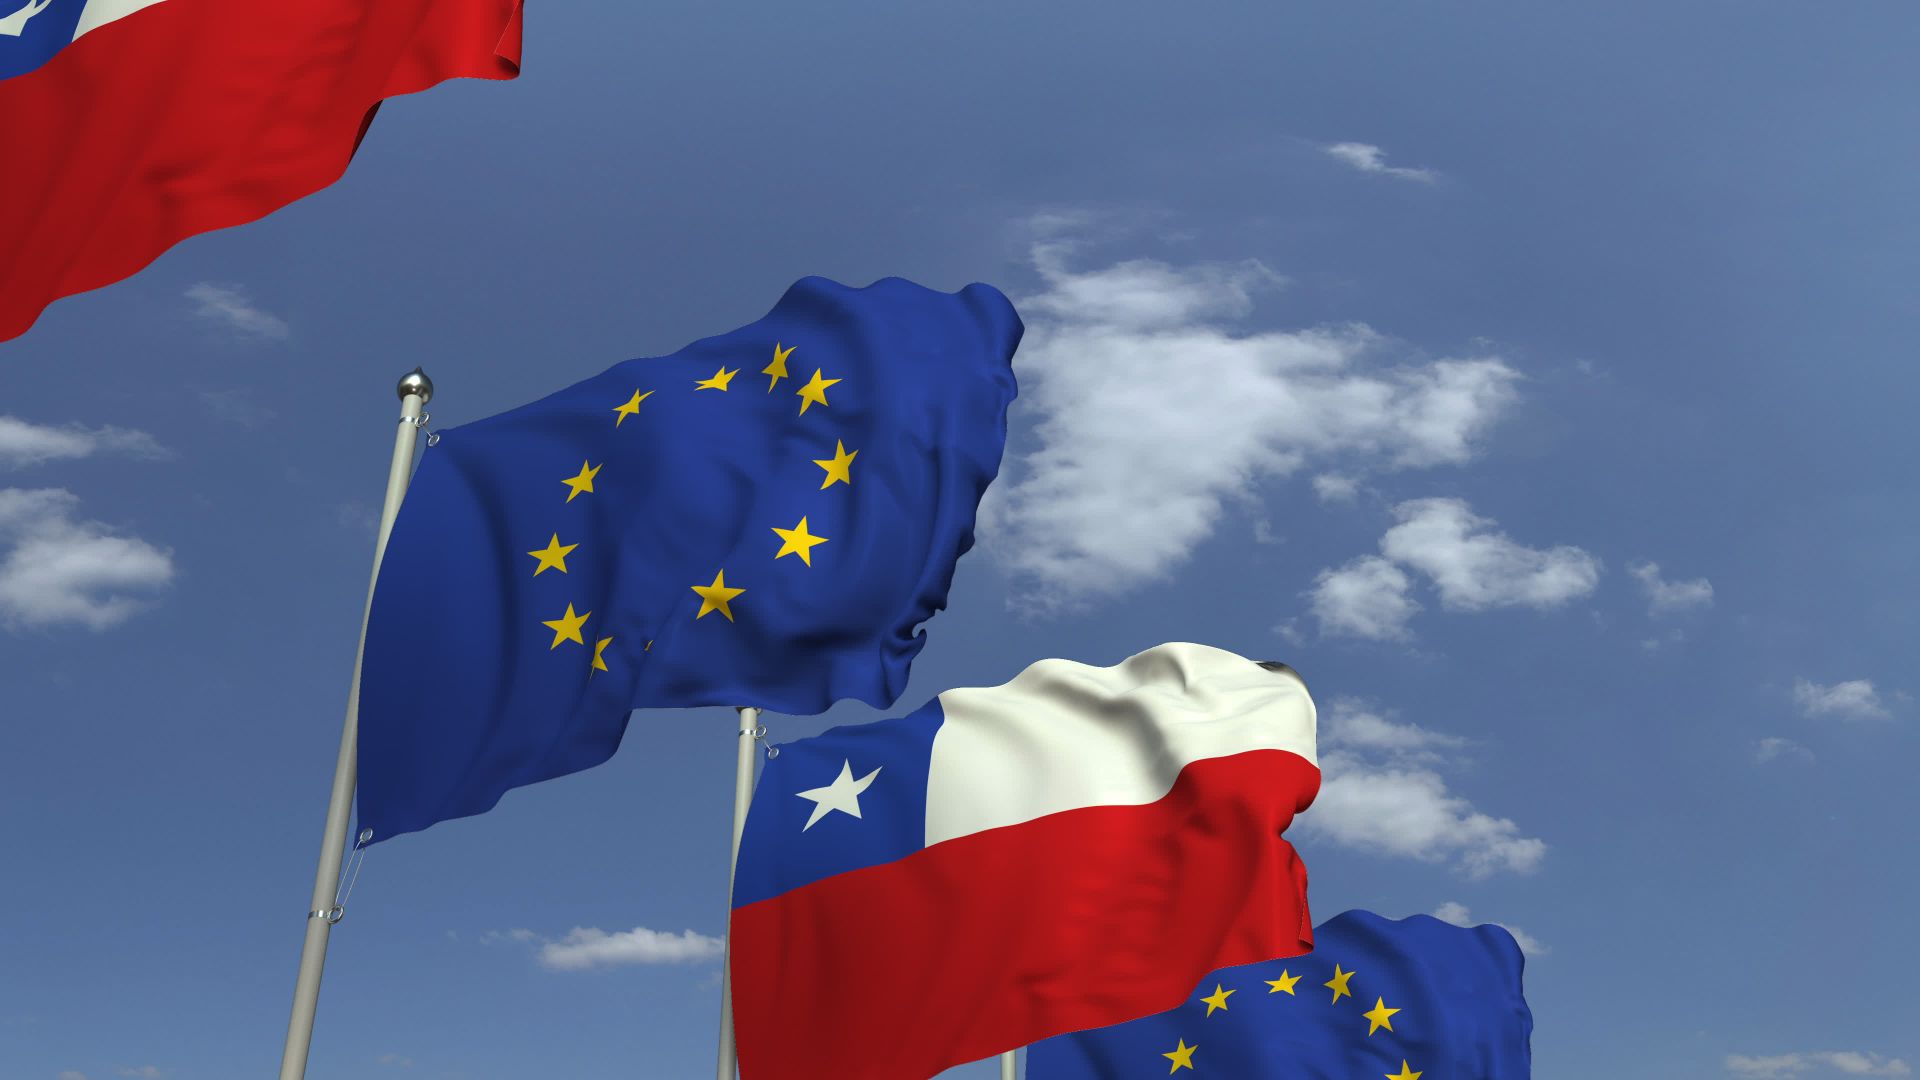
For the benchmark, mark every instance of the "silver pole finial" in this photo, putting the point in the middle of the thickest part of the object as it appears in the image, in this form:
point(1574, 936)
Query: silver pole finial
point(416, 383)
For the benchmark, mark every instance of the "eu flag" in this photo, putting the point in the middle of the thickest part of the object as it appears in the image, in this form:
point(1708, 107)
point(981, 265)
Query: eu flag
point(1376, 998)
point(763, 518)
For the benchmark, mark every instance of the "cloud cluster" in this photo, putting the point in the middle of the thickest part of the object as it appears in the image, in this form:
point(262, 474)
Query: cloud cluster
point(229, 307)
point(1773, 747)
point(1380, 793)
point(1666, 597)
point(23, 444)
point(56, 568)
point(1369, 158)
point(1854, 699)
point(586, 947)
point(1468, 561)
point(1845, 1062)
point(1457, 914)
point(1150, 412)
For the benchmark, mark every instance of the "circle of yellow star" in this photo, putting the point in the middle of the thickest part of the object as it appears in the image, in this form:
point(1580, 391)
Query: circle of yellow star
point(1283, 984)
point(1182, 1057)
point(719, 381)
point(798, 541)
point(582, 482)
point(600, 652)
point(714, 597)
point(1406, 1072)
point(777, 369)
point(567, 628)
point(815, 392)
point(553, 556)
point(1218, 999)
point(1338, 984)
point(1380, 1017)
point(839, 467)
point(632, 406)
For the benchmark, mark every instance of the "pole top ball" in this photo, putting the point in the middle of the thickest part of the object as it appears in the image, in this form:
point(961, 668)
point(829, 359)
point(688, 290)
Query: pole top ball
point(415, 382)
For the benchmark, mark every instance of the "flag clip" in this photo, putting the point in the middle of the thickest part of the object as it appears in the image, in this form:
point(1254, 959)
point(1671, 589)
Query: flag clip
point(433, 437)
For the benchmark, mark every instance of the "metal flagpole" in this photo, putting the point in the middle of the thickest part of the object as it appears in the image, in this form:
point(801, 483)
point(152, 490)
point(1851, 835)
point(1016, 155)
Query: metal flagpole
point(415, 390)
point(750, 733)
point(1006, 1066)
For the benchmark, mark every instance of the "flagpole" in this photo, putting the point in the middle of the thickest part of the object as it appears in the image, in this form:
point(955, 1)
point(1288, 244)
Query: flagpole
point(415, 390)
point(742, 795)
point(1006, 1066)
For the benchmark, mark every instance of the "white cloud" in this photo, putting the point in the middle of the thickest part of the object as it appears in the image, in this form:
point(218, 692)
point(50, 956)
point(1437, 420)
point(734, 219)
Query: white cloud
point(237, 405)
point(400, 1061)
point(1371, 159)
point(1367, 598)
point(231, 308)
point(1855, 698)
point(521, 936)
point(1457, 914)
point(1349, 725)
point(1380, 793)
point(1150, 413)
point(1473, 566)
point(1773, 747)
point(587, 947)
point(1664, 597)
point(143, 1072)
point(1408, 812)
point(1846, 1062)
point(23, 443)
point(56, 568)
point(1476, 567)
point(1335, 488)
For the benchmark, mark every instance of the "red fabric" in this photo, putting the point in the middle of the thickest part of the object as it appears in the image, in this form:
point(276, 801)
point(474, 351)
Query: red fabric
point(981, 944)
point(193, 115)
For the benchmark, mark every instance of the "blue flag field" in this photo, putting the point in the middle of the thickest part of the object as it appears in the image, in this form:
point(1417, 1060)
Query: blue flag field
point(763, 518)
point(1402, 999)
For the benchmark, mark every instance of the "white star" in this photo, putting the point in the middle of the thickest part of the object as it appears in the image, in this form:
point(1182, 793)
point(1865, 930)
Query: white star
point(842, 795)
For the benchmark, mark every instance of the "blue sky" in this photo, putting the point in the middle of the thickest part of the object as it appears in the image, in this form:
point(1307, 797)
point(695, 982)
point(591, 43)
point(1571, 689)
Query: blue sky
point(1536, 380)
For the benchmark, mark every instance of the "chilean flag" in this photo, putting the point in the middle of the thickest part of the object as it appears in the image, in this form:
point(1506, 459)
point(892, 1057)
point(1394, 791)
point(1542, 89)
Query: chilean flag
point(130, 125)
point(1070, 850)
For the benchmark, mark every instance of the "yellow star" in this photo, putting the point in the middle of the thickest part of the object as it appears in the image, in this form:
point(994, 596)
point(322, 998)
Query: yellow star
point(1380, 1017)
point(1406, 1072)
point(839, 467)
point(552, 557)
point(714, 597)
point(815, 392)
point(1339, 982)
point(719, 381)
point(1218, 1000)
point(632, 406)
point(583, 482)
point(1283, 984)
point(567, 628)
point(797, 541)
point(599, 653)
point(777, 369)
point(1182, 1057)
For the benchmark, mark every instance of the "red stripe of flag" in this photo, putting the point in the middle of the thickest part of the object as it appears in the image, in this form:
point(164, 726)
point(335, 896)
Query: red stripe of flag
point(193, 115)
point(994, 940)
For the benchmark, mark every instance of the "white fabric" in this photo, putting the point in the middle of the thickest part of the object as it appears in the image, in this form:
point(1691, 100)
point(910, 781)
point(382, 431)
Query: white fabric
point(101, 12)
point(1064, 735)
